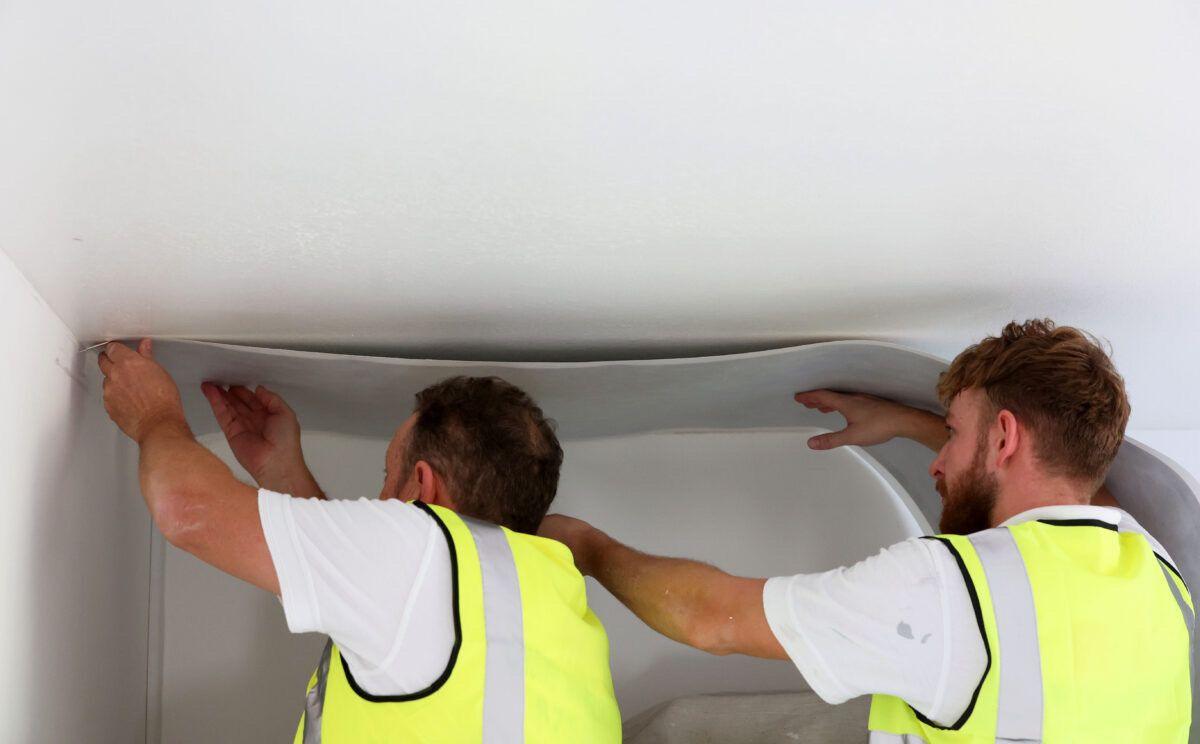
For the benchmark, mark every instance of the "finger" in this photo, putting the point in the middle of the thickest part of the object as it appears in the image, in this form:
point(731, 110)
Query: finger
point(823, 400)
point(146, 348)
point(216, 400)
point(117, 351)
point(246, 398)
point(212, 393)
point(271, 400)
point(227, 416)
point(105, 363)
point(235, 403)
point(828, 441)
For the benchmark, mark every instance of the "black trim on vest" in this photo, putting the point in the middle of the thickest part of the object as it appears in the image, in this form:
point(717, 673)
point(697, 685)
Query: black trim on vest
point(1080, 523)
point(982, 634)
point(437, 683)
point(1174, 570)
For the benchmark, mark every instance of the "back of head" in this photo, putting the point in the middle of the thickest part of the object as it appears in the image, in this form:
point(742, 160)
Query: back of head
point(493, 447)
point(1059, 383)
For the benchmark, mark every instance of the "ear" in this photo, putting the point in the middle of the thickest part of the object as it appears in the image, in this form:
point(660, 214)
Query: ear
point(1010, 438)
point(423, 475)
point(431, 489)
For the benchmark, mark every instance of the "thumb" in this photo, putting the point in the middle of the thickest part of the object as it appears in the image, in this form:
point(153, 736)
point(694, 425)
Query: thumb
point(145, 348)
point(828, 441)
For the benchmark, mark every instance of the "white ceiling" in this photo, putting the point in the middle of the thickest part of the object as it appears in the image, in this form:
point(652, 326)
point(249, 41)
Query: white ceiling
point(530, 179)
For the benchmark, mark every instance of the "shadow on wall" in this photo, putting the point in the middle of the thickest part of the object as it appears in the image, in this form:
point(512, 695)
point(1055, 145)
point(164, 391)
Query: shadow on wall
point(214, 660)
point(87, 576)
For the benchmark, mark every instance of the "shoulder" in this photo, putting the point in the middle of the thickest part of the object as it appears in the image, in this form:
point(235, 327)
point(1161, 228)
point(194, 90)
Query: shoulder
point(369, 513)
point(914, 565)
point(353, 534)
point(891, 623)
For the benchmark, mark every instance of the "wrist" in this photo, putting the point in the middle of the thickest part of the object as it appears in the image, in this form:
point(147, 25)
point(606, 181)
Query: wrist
point(294, 479)
point(924, 427)
point(282, 477)
point(167, 423)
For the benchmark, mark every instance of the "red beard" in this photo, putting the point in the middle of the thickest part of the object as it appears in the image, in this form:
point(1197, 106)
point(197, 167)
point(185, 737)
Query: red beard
point(968, 501)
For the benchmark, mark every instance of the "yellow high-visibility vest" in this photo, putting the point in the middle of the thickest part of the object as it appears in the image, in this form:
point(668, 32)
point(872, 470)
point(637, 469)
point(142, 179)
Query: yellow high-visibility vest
point(1089, 638)
point(529, 664)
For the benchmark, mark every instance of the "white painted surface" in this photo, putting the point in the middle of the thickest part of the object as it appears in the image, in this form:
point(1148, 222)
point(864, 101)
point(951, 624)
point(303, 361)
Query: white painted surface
point(74, 541)
point(758, 504)
point(542, 180)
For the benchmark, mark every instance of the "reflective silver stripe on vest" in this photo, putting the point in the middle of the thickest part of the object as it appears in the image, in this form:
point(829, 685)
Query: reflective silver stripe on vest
point(504, 673)
point(503, 623)
point(1020, 704)
point(314, 701)
point(1189, 619)
point(883, 737)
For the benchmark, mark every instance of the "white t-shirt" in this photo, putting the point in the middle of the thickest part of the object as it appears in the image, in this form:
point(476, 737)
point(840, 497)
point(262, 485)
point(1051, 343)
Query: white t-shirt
point(898, 623)
point(373, 575)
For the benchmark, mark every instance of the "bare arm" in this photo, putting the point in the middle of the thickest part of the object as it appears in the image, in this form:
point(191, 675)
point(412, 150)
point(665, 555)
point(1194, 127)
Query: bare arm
point(698, 604)
point(201, 507)
point(192, 496)
point(872, 420)
point(687, 601)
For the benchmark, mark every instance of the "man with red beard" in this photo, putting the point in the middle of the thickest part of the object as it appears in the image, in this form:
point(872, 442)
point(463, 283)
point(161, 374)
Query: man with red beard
point(1041, 613)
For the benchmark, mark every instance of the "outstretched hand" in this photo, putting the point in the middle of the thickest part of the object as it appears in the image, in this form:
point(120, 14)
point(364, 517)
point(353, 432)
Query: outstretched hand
point(871, 420)
point(263, 432)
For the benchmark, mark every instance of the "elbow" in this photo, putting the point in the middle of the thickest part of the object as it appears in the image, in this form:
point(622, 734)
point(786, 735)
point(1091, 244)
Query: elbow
point(729, 620)
point(712, 631)
point(177, 517)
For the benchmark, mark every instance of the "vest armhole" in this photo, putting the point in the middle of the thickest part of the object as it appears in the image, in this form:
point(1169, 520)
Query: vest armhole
point(1172, 569)
point(962, 720)
point(445, 675)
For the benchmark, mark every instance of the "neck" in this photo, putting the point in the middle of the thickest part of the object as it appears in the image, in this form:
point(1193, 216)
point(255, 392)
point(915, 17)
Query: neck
point(1025, 496)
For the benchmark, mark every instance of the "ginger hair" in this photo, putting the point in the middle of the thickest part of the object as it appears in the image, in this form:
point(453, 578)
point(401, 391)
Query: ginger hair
point(1060, 383)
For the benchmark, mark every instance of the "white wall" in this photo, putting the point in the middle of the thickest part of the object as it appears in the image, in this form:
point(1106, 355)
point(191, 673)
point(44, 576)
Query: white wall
point(74, 541)
point(759, 504)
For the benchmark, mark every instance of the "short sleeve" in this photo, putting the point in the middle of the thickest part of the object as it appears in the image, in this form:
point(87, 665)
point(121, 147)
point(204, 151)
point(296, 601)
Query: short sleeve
point(373, 575)
point(898, 623)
